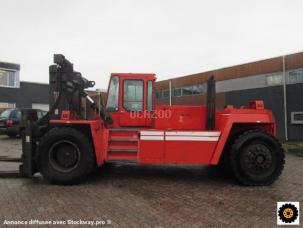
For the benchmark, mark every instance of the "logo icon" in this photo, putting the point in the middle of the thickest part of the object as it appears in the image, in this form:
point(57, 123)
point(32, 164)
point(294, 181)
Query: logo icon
point(288, 213)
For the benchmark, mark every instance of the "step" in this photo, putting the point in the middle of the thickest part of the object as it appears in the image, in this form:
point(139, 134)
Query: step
point(128, 150)
point(123, 129)
point(123, 139)
point(10, 174)
point(120, 156)
point(123, 133)
point(9, 159)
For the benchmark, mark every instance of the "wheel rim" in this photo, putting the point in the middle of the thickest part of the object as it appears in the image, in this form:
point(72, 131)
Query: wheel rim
point(64, 156)
point(257, 160)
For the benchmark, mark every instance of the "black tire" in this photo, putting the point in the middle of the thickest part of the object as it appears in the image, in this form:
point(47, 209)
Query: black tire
point(256, 158)
point(66, 156)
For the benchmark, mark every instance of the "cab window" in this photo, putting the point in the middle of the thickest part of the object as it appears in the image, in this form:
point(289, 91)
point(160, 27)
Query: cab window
point(149, 96)
point(133, 95)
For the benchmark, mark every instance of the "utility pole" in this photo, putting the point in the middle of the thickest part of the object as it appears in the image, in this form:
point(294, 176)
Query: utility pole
point(285, 98)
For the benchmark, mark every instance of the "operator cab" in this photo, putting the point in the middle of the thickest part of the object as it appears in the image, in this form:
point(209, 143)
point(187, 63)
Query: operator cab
point(130, 99)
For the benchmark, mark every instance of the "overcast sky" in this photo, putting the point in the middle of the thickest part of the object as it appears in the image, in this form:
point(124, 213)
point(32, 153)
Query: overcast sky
point(168, 37)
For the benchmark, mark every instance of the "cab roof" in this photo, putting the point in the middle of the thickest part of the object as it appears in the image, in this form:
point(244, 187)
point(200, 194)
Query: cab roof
point(148, 76)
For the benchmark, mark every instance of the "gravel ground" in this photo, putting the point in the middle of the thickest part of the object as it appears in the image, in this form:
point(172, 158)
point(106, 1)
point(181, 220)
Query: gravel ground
point(129, 195)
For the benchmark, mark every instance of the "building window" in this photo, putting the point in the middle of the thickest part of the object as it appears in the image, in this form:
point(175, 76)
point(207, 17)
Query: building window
point(274, 79)
point(182, 91)
point(7, 105)
point(4, 106)
point(177, 92)
point(161, 94)
point(192, 90)
point(295, 76)
point(158, 94)
point(199, 89)
point(188, 90)
point(9, 78)
point(165, 93)
point(297, 117)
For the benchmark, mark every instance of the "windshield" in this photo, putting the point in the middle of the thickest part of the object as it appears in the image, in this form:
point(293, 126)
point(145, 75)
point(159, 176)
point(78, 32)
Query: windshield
point(6, 113)
point(113, 93)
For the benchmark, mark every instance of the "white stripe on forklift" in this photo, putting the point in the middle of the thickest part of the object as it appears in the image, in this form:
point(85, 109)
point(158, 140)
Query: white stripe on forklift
point(191, 138)
point(194, 133)
point(180, 135)
point(151, 132)
point(152, 137)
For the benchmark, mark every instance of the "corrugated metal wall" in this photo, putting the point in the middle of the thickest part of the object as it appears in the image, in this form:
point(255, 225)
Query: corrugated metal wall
point(235, 91)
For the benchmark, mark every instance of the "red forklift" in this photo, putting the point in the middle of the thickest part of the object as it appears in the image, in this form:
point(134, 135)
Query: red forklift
point(65, 146)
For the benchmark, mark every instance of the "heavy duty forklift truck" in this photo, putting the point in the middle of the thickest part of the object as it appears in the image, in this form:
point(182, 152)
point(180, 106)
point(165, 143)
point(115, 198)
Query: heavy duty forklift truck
point(66, 147)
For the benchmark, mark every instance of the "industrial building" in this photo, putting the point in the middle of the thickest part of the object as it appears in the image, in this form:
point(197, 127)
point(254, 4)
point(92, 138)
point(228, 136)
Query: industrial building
point(16, 94)
point(278, 81)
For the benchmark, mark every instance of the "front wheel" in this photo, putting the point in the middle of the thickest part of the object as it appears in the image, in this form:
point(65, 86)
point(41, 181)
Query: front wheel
point(257, 158)
point(65, 156)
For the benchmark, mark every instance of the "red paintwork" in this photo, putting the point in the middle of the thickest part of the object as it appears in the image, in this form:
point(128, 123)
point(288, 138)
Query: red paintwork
point(68, 115)
point(188, 152)
point(109, 139)
point(151, 152)
point(181, 118)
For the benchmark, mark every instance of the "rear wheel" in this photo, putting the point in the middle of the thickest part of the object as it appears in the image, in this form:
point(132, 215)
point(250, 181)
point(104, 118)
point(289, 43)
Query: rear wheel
point(256, 158)
point(65, 156)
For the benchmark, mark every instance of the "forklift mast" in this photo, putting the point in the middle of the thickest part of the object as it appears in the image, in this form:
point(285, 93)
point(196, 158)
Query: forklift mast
point(66, 88)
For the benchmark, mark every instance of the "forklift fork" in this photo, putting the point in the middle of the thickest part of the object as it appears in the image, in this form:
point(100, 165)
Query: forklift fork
point(26, 167)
